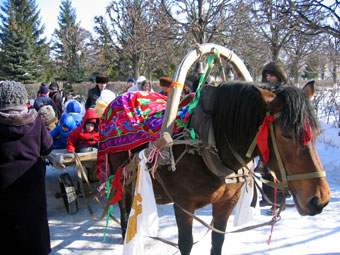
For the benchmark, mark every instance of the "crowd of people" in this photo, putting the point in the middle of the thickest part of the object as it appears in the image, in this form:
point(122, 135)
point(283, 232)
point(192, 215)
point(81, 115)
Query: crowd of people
point(28, 132)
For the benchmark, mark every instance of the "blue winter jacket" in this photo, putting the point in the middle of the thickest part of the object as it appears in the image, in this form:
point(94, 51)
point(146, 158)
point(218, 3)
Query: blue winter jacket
point(58, 134)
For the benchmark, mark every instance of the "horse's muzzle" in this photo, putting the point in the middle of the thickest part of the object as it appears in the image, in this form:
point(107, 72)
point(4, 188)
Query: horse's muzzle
point(315, 206)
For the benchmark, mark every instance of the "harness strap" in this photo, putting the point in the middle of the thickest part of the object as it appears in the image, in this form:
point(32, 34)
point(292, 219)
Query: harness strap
point(82, 174)
point(279, 160)
point(306, 176)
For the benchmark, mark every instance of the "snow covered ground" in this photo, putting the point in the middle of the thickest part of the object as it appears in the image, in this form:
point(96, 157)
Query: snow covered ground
point(294, 234)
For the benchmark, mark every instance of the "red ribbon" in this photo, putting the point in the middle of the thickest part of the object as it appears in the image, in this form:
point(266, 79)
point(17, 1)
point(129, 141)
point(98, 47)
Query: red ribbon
point(308, 136)
point(116, 183)
point(262, 138)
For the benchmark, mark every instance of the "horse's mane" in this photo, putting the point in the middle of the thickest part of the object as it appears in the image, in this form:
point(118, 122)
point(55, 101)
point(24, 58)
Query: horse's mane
point(239, 111)
point(298, 114)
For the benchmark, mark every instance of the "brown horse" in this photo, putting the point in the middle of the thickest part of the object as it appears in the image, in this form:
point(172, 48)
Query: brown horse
point(238, 111)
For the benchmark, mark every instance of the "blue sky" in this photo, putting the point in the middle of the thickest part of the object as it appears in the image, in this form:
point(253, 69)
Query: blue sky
point(86, 10)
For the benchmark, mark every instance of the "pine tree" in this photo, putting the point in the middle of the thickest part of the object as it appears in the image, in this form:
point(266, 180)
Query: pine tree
point(22, 49)
point(70, 44)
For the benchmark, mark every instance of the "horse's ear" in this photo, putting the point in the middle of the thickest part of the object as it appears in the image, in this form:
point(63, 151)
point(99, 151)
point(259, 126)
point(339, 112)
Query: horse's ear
point(309, 89)
point(267, 96)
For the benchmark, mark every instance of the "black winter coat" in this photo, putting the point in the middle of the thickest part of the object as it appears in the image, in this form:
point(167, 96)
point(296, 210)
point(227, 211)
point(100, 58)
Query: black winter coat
point(92, 97)
point(23, 215)
point(58, 101)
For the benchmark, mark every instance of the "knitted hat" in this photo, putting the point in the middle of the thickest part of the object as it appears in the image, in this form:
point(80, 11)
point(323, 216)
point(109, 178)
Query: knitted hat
point(43, 90)
point(102, 79)
point(53, 86)
point(12, 93)
point(47, 111)
point(131, 80)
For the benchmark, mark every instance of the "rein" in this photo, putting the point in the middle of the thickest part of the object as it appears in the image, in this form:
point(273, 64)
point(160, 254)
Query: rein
point(82, 174)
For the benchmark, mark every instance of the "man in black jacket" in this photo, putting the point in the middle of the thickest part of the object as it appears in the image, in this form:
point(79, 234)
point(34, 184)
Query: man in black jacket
point(56, 97)
point(273, 74)
point(94, 93)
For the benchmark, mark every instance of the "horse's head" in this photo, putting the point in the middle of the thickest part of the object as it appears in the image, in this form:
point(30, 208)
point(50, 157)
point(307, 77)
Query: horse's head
point(296, 129)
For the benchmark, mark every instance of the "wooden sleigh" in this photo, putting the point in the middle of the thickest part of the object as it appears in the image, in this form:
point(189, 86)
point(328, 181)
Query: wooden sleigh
point(61, 159)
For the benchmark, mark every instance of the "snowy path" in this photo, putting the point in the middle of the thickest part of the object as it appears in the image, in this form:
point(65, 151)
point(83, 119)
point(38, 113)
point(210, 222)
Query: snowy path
point(79, 234)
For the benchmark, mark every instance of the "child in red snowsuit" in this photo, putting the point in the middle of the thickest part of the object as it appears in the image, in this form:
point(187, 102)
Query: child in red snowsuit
point(86, 136)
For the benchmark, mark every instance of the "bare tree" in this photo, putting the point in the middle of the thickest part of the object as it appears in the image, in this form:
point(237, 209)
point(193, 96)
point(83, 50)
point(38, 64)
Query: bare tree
point(318, 16)
point(274, 24)
point(241, 37)
point(199, 21)
point(299, 48)
point(104, 57)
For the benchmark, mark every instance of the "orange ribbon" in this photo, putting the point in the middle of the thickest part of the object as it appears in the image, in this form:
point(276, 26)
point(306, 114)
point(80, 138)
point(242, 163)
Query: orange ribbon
point(174, 84)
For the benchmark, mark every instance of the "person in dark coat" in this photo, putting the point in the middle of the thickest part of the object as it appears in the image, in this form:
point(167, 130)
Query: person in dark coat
point(273, 74)
point(94, 93)
point(43, 99)
point(56, 97)
point(23, 140)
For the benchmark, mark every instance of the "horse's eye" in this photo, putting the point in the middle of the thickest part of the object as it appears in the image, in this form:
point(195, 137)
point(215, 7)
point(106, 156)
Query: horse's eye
point(287, 136)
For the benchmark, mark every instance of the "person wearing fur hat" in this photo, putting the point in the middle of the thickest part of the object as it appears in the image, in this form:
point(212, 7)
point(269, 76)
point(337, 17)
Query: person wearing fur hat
point(273, 74)
point(24, 139)
point(164, 83)
point(94, 93)
point(47, 115)
point(56, 97)
point(43, 99)
point(86, 136)
point(62, 131)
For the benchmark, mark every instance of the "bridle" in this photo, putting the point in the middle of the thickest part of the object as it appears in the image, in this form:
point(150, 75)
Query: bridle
point(283, 184)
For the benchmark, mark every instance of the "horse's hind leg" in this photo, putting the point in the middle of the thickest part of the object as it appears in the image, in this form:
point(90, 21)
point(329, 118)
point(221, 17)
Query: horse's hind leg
point(221, 212)
point(184, 224)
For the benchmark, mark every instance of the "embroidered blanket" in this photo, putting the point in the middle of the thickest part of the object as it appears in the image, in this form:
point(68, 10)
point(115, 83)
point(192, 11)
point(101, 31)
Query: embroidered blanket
point(133, 119)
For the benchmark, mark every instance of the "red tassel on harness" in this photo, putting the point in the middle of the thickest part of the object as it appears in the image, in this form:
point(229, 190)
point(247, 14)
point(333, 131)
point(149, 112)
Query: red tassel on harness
point(262, 138)
point(116, 183)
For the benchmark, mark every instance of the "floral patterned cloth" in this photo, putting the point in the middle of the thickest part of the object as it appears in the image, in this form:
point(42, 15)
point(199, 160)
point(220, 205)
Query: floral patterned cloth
point(133, 119)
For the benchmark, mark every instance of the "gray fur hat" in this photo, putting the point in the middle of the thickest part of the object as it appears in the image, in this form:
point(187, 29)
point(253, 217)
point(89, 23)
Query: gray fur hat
point(12, 93)
point(47, 111)
point(277, 69)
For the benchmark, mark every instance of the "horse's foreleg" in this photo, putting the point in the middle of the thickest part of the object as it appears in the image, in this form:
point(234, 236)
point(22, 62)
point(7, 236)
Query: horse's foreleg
point(184, 225)
point(221, 212)
point(125, 207)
